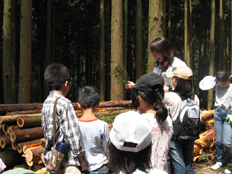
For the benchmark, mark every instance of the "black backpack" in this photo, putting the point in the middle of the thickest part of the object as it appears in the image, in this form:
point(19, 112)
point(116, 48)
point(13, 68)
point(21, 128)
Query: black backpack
point(188, 123)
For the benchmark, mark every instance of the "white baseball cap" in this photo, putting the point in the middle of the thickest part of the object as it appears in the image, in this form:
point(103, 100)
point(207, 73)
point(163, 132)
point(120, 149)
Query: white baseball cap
point(208, 82)
point(131, 132)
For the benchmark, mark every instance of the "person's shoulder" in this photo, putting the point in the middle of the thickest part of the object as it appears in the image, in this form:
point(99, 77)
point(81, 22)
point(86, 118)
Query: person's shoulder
point(171, 96)
point(178, 62)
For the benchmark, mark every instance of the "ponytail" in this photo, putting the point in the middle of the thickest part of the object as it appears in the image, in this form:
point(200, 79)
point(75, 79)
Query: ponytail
point(161, 112)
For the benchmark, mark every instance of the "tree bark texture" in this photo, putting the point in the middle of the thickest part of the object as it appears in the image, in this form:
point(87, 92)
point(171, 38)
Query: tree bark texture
point(155, 22)
point(117, 72)
point(25, 52)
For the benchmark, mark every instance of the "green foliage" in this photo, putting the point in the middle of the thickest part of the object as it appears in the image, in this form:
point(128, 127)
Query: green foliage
point(108, 119)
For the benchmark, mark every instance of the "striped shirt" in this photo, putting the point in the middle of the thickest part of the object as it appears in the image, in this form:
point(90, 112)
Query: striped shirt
point(67, 129)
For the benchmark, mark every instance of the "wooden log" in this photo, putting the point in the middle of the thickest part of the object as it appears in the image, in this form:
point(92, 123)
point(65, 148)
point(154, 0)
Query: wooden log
point(209, 123)
point(23, 112)
point(206, 141)
point(29, 121)
point(14, 145)
point(21, 147)
point(12, 129)
point(38, 106)
point(11, 158)
point(5, 141)
point(12, 119)
point(33, 155)
point(27, 134)
point(206, 115)
point(4, 128)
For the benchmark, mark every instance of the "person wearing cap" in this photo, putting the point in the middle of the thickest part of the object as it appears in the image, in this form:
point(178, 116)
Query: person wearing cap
point(130, 145)
point(181, 152)
point(166, 60)
point(147, 94)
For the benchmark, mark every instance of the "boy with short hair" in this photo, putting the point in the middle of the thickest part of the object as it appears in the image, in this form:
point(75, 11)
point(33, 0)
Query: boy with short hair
point(94, 132)
point(67, 130)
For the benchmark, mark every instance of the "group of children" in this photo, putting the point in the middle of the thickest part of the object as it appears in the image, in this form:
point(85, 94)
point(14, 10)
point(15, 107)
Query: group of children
point(140, 141)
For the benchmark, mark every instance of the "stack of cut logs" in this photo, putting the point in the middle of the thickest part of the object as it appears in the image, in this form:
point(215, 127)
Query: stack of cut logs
point(20, 128)
point(21, 133)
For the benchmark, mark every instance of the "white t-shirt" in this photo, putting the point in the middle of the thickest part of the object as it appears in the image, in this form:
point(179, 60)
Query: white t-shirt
point(161, 137)
point(176, 63)
point(95, 136)
point(173, 103)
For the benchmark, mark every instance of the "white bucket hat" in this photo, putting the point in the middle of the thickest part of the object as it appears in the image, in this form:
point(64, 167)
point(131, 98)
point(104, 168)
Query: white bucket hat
point(208, 82)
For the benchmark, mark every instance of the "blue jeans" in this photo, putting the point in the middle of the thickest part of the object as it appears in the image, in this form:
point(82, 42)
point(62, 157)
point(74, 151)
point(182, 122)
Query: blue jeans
point(181, 153)
point(223, 135)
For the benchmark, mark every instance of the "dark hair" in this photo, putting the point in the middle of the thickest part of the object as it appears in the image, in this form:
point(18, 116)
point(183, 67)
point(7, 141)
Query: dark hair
point(162, 46)
point(222, 76)
point(129, 161)
point(184, 87)
point(154, 98)
point(88, 97)
point(55, 75)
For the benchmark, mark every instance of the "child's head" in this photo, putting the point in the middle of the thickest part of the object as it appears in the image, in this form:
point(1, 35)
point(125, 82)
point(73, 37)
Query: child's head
point(150, 88)
point(55, 75)
point(130, 143)
point(222, 78)
point(163, 51)
point(88, 97)
point(182, 80)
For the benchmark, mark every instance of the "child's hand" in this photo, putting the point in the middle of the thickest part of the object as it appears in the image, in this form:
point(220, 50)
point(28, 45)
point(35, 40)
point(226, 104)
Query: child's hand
point(82, 163)
point(129, 84)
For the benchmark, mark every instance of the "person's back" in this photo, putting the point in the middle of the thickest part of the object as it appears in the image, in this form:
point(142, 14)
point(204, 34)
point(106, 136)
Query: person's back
point(94, 132)
point(67, 130)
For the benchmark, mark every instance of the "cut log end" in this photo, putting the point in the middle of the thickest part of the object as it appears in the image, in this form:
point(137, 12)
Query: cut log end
point(20, 122)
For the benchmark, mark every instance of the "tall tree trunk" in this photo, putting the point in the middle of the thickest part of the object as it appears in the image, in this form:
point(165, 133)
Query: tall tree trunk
point(220, 58)
point(191, 35)
point(48, 57)
point(7, 52)
point(155, 22)
point(117, 50)
point(231, 40)
point(164, 18)
point(211, 44)
point(25, 52)
point(53, 31)
point(139, 40)
point(102, 51)
point(186, 32)
point(125, 37)
point(108, 50)
point(13, 38)
point(169, 19)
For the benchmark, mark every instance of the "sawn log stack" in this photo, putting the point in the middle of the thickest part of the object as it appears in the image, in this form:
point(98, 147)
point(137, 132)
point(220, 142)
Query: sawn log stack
point(21, 131)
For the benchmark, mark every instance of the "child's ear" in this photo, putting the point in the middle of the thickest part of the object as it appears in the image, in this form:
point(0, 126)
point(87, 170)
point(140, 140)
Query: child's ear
point(79, 105)
point(140, 99)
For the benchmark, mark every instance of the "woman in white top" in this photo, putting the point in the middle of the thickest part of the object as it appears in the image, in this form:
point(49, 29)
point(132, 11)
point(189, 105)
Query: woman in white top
point(164, 53)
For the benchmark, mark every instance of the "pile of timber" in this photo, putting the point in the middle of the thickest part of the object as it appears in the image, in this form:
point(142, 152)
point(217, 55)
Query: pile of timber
point(21, 131)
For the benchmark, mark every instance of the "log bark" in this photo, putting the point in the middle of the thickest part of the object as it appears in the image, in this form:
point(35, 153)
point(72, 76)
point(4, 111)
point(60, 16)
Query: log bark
point(26, 134)
point(21, 147)
point(5, 141)
point(12, 129)
point(29, 121)
point(12, 119)
point(4, 108)
point(23, 112)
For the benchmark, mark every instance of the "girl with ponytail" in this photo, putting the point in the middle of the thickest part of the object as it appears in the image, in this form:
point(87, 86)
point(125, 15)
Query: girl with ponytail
point(147, 96)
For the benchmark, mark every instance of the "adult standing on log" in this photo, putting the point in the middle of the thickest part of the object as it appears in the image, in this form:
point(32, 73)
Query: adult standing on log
point(166, 60)
point(67, 130)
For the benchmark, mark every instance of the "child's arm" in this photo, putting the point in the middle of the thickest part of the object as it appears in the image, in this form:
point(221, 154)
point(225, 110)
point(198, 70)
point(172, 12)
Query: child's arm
point(82, 163)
